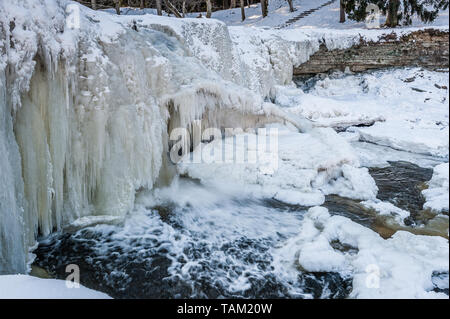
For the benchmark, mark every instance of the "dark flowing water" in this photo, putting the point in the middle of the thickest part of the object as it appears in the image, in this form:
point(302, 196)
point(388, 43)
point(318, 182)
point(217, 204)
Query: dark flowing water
point(217, 247)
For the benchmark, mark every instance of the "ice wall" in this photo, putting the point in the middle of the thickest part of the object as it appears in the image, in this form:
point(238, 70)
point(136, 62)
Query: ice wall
point(13, 243)
point(85, 114)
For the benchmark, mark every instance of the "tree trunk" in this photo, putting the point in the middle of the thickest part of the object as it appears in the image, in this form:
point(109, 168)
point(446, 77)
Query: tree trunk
point(117, 5)
point(184, 8)
point(172, 9)
point(264, 8)
point(142, 5)
point(208, 8)
point(242, 9)
point(392, 18)
point(232, 4)
point(291, 6)
point(94, 4)
point(158, 7)
point(342, 17)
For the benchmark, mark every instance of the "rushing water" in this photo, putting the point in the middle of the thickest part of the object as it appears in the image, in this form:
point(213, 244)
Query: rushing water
point(207, 245)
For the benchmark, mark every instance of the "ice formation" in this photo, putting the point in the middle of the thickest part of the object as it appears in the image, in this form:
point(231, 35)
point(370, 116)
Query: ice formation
point(301, 169)
point(89, 124)
point(87, 102)
point(403, 266)
point(437, 193)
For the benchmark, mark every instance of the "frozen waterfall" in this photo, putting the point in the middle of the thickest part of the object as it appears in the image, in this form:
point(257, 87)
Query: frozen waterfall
point(88, 99)
point(85, 111)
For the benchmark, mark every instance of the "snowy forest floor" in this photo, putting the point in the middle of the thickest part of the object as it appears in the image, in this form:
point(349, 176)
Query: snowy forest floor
point(327, 16)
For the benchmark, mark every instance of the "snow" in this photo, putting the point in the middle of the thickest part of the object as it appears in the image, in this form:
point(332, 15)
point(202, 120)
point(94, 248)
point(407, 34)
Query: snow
point(300, 169)
point(437, 194)
point(27, 287)
point(409, 107)
point(399, 267)
point(326, 17)
point(372, 155)
point(387, 209)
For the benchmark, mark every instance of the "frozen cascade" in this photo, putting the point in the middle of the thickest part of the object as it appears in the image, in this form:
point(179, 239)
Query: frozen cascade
point(85, 112)
point(83, 127)
point(13, 244)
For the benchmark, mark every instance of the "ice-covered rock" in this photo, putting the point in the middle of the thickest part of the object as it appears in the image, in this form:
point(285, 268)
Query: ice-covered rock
point(387, 209)
point(300, 169)
point(437, 194)
point(399, 267)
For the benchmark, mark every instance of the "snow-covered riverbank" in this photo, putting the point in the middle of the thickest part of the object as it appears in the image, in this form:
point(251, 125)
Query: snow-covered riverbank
point(27, 287)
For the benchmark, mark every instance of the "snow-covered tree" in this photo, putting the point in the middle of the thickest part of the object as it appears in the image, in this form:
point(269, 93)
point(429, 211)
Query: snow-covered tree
point(398, 12)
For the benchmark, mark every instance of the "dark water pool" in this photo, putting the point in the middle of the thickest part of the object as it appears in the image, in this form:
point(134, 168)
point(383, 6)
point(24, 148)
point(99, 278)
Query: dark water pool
point(214, 249)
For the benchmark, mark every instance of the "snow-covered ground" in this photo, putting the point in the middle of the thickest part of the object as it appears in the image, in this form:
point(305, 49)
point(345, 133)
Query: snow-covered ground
point(27, 287)
point(326, 17)
point(409, 107)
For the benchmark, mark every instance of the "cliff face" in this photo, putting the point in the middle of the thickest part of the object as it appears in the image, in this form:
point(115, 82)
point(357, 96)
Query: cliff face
point(425, 48)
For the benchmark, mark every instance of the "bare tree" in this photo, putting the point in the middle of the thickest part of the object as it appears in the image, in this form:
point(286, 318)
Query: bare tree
point(172, 9)
point(232, 4)
point(158, 7)
point(94, 4)
point(242, 9)
point(142, 4)
point(342, 16)
point(183, 8)
point(117, 4)
point(392, 14)
point(264, 8)
point(208, 8)
point(291, 6)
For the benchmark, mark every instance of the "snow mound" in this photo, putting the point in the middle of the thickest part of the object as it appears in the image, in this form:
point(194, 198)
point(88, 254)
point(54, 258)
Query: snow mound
point(408, 107)
point(27, 287)
point(437, 194)
point(403, 266)
point(300, 169)
point(387, 209)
